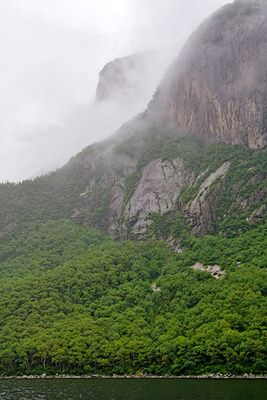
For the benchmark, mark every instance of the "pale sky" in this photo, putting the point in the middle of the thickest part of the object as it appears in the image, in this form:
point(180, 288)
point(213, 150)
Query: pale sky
point(51, 52)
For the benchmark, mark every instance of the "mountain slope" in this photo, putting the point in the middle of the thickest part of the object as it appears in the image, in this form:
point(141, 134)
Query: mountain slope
point(75, 302)
point(156, 164)
point(217, 88)
point(189, 176)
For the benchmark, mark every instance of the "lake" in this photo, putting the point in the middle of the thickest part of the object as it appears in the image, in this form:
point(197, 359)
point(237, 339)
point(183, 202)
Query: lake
point(133, 389)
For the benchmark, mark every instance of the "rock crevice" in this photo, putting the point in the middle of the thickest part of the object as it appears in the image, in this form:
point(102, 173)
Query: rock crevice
point(156, 192)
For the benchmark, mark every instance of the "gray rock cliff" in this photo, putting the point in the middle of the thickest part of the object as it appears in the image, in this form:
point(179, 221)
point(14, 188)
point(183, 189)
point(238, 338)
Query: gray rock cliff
point(132, 78)
point(157, 192)
point(217, 88)
point(198, 211)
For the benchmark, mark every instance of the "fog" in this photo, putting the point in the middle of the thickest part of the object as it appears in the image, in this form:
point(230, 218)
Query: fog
point(51, 52)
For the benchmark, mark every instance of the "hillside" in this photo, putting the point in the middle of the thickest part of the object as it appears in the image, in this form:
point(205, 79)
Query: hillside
point(120, 186)
point(146, 253)
point(73, 301)
point(154, 164)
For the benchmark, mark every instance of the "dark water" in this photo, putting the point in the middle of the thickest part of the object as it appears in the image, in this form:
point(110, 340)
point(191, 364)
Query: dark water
point(119, 389)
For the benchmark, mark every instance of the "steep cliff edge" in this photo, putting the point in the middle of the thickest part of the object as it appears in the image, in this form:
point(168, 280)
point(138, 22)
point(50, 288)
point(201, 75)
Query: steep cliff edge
point(132, 78)
point(217, 88)
point(120, 78)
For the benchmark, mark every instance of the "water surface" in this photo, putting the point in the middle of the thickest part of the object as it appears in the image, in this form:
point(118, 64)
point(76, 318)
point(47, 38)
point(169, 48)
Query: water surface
point(133, 389)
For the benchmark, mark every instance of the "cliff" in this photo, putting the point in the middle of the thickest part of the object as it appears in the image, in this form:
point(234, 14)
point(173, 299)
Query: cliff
point(173, 168)
point(217, 87)
point(190, 300)
point(133, 78)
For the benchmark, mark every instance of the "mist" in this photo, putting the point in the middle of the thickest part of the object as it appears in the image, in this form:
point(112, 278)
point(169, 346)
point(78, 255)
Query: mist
point(51, 52)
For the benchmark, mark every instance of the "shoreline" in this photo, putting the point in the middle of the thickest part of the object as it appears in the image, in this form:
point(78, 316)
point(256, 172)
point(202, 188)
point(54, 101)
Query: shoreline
point(193, 377)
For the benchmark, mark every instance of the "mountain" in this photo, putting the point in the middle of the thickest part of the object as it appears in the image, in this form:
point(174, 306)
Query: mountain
point(217, 87)
point(216, 92)
point(132, 79)
point(187, 154)
point(146, 253)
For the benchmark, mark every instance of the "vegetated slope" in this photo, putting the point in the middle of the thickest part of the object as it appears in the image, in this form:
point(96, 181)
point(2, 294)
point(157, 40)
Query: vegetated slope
point(80, 306)
point(75, 300)
point(165, 159)
point(120, 187)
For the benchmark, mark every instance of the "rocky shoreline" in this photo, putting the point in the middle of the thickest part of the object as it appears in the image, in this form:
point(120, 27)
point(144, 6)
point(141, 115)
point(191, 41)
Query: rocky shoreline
point(208, 376)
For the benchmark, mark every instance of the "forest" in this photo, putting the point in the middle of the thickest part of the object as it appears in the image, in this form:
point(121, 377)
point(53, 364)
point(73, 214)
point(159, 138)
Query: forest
point(75, 301)
point(146, 253)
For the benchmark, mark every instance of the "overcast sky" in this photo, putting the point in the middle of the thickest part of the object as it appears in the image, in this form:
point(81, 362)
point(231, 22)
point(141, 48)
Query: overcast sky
point(50, 54)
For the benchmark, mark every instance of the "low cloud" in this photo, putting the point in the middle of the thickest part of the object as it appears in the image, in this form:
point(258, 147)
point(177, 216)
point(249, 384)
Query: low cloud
point(51, 52)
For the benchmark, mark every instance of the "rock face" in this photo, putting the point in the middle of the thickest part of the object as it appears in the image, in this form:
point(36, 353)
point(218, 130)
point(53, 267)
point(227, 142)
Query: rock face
point(157, 192)
point(257, 215)
point(119, 76)
point(130, 78)
point(217, 88)
point(214, 270)
point(198, 211)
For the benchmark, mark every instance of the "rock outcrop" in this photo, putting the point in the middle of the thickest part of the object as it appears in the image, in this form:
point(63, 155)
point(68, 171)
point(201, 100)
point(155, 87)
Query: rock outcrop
point(119, 77)
point(157, 192)
point(217, 88)
point(257, 215)
point(214, 270)
point(198, 211)
point(129, 79)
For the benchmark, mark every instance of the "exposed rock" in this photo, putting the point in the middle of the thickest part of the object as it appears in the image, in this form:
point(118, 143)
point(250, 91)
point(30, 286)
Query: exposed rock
point(116, 203)
point(257, 215)
point(75, 215)
point(157, 192)
point(217, 87)
point(126, 79)
point(214, 270)
point(155, 289)
point(119, 76)
point(85, 194)
point(104, 174)
point(216, 90)
point(197, 210)
point(174, 245)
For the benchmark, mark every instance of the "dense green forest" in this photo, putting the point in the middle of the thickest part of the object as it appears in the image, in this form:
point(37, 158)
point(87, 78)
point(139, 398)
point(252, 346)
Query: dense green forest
point(76, 301)
point(147, 252)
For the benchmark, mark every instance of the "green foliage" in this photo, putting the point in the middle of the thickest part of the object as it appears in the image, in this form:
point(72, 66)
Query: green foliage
point(130, 184)
point(169, 147)
point(42, 247)
point(74, 301)
point(242, 191)
point(168, 225)
point(48, 197)
point(231, 199)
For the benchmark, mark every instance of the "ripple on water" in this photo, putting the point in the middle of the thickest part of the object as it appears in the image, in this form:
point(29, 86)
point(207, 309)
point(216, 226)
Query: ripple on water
point(132, 389)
